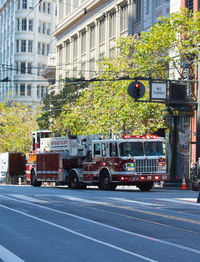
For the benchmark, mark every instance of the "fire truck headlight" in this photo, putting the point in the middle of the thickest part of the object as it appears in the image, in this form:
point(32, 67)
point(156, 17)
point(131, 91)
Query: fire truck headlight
point(129, 167)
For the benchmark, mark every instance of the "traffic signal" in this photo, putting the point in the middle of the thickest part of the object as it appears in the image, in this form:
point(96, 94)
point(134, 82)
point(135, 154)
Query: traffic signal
point(136, 90)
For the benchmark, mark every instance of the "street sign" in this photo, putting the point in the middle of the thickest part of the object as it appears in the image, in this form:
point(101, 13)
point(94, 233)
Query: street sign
point(159, 91)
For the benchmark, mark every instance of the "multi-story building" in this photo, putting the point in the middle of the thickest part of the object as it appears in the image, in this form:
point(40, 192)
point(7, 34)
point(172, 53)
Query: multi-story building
point(86, 31)
point(25, 42)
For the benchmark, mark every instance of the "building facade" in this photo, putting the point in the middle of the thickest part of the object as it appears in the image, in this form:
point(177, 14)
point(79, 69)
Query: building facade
point(25, 42)
point(86, 31)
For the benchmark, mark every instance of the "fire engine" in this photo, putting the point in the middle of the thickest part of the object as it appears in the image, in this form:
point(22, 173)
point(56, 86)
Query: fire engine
point(79, 161)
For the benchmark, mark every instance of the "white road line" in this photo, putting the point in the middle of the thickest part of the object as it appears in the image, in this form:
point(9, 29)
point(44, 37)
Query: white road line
point(133, 201)
point(157, 240)
point(82, 200)
point(28, 198)
point(179, 201)
point(81, 235)
point(8, 256)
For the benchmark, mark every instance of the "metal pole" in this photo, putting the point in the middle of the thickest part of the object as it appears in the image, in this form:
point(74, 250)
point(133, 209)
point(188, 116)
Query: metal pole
point(198, 110)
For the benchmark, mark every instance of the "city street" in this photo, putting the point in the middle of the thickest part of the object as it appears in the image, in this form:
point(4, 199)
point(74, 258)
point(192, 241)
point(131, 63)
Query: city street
point(59, 224)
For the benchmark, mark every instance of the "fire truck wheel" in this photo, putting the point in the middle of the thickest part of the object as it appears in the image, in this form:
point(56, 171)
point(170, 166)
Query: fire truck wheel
point(73, 180)
point(104, 181)
point(145, 186)
point(34, 181)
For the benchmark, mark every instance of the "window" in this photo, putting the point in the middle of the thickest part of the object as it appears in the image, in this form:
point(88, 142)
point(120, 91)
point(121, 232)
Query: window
point(48, 29)
point(112, 52)
point(48, 49)
point(67, 52)
point(23, 24)
point(112, 25)
point(24, 4)
point(23, 46)
point(147, 7)
point(30, 46)
point(83, 42)
point(16, 89)
point(39, 48)
point(40, 6)
point(23, 67)
point(29, 68)
point(43, 49)
point(44, 7)
point(103, 149)
point(123, 18)
point(138, 11)
point(17, 46)
point(28, 90)
point(101, 56)
point(102, 31)
point(68, 7)
point(83, 68)
point(113, 149)
point(38, 91)
point(44, 28)
point(92, 37)
point(42, 91)
point(18, 4)
point(189, 4)
point(22, 89)
point(39, 26)
point(18, 24)
point(16, 67)
point(97, 148)
point(75, 47)
point(30, 25)
point(92, 67)
point(49, 8)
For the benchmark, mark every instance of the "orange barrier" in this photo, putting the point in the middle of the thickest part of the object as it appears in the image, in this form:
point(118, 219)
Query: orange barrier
point(183, 186)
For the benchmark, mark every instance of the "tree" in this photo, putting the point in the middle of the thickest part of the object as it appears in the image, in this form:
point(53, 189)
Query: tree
point(16, 125)
point(106, 106)
point(53, 103)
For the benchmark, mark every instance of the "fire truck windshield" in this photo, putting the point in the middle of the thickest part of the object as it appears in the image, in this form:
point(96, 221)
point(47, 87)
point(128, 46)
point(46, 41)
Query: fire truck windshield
point(141, 148)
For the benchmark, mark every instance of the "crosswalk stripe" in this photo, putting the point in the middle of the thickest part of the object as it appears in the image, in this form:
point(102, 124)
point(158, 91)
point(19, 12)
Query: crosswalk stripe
point(28, 198)
point(134, 201)
point(178, 201)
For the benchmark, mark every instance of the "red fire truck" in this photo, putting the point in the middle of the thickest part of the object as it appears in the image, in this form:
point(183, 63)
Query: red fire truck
point(79, 161)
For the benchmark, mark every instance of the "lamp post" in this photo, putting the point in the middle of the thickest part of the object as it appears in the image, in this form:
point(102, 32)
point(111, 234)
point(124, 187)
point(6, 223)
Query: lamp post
point(198, 110)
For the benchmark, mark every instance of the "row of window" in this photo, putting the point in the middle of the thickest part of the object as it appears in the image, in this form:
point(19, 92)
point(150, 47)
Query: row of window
point(24, 24)
point(26, 90)
point(26, 46)
point(92, 33)
point(44, 28)
point(27, 68)
point(44, 7)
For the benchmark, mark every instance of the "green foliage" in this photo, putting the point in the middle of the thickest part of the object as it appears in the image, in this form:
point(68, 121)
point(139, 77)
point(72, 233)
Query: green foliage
point(53, 103)
point(16, 125)
point(105, 106)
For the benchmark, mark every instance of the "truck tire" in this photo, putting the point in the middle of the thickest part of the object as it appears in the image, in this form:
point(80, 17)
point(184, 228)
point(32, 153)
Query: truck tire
point(144, 187)
point(104, 181)
point(73, 180)
point(34, 181)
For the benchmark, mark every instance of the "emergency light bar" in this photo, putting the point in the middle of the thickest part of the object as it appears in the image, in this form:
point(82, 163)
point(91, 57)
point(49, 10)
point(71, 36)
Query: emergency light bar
point(140, 137)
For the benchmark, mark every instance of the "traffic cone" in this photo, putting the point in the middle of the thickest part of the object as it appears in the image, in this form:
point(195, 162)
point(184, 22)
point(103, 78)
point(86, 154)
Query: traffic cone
point(183, 186)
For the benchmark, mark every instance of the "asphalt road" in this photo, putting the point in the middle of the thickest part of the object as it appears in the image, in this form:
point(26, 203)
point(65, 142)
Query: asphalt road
point(61, 225)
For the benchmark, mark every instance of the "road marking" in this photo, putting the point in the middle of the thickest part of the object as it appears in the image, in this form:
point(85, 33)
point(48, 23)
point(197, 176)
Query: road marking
point(8, 256)
point(83, 200)
point(193, 200)
point(28, 198)
point(81, 235)
point(157, 240)
point(183, 201)
point(134, 201)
